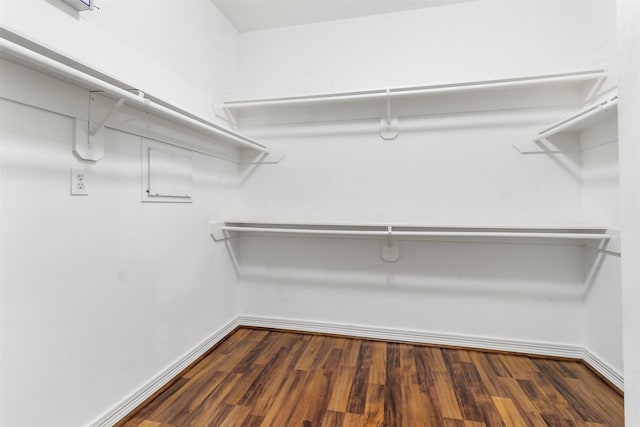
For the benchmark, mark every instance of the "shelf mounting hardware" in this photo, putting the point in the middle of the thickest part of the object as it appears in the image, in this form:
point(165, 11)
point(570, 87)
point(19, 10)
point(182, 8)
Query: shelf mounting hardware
point(89, 135)
point(98, 127)
point(389, 126)
point(390, 247)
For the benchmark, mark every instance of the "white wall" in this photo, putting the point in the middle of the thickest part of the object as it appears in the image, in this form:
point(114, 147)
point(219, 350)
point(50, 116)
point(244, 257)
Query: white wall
point(99, 294)
point(457, 169)
point(601, 205)
point(629, 128)
point(448, 175)
point(466, 41)
point(435, 287)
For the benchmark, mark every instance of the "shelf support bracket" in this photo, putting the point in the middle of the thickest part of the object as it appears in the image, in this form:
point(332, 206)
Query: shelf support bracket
point(612, 245)
point(98, 127)
point(89, 137)
point(217, 232)
point(389, 126)
point(390, 247)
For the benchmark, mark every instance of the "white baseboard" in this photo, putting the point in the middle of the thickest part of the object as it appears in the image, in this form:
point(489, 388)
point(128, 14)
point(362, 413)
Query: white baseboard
point(403, 335)
point(603, 368)
point(124, 407)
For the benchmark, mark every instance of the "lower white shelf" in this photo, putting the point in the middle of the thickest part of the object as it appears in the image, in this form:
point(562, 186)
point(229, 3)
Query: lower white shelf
point(390, 234)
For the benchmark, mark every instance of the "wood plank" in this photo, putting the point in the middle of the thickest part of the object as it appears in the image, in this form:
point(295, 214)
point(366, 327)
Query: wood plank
point(306, 360)
point(490, 378)
point(237, 417)
point(467, 403)
point(278, 413)
point(416, 407)
point(521, 400)
point(374, 406)
point(351, 353)
point(341, 389)
point(378, 363)
point(393, 397)
point(273, 384)
point(310, 406)
point(446, 398)
point(333, 419)
point(358, 393)
point(519, 367)
point(510, 415)
point(547, 400)
point(212, 408)
point(187, 399)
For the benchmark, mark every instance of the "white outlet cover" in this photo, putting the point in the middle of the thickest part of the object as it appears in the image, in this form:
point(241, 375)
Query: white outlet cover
point(79, 182)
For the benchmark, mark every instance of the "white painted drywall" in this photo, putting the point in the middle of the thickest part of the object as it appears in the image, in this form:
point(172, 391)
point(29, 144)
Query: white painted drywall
point(442, 175)
point(181, 51)
point(99, 294)
point(467, 41)
point(526, 292)
point(629, 128)
point(601, 205)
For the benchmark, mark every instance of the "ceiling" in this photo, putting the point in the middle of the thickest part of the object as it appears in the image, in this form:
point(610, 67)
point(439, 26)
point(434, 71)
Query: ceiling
point(254, 15)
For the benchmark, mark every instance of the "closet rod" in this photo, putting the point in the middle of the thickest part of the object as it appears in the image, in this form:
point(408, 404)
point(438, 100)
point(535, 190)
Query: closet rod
point(385, 233)
point(579, 117)
point(422, 90)
point(137, 100)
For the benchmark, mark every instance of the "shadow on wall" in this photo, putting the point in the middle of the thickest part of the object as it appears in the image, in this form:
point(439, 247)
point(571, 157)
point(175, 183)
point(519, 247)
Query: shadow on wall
point(63, 7)
point(540, 271)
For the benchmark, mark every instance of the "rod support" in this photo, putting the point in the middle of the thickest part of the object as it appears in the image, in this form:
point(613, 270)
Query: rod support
point(389, 125)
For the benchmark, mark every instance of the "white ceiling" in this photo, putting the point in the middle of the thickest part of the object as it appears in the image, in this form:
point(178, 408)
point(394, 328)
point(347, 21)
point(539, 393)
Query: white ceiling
point(253, 15)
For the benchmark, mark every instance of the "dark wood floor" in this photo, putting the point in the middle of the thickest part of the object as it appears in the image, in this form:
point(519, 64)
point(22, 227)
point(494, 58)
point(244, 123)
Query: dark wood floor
point(266, 378)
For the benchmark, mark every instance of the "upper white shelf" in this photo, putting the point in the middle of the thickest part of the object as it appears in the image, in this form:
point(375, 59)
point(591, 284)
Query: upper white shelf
point(95, 81)
point(567, 89)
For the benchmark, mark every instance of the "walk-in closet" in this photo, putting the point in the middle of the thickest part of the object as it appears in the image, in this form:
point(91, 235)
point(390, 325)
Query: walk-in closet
point(240, 212)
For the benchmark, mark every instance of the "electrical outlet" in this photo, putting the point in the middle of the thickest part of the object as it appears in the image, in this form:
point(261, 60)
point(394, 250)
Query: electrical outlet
point(79, 185)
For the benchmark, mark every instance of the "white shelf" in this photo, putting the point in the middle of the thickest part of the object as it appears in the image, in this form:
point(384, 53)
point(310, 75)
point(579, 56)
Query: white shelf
point(93, 80)
point(565, 90)
point(583, 119)
point(562, 136)
point(410, 230)
point(599, 237)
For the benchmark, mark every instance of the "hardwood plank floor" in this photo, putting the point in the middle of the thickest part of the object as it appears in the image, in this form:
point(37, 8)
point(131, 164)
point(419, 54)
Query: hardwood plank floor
point(259, 378)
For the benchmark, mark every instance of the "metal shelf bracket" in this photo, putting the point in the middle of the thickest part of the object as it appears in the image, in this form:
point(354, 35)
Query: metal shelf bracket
point(217, 232)
point(389, 126)
point(89, 135)
point(390, 247)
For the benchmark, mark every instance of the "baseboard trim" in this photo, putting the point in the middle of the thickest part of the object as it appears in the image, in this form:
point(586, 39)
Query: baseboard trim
point(604, 370)
point(127, 405)
point(414, 336)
